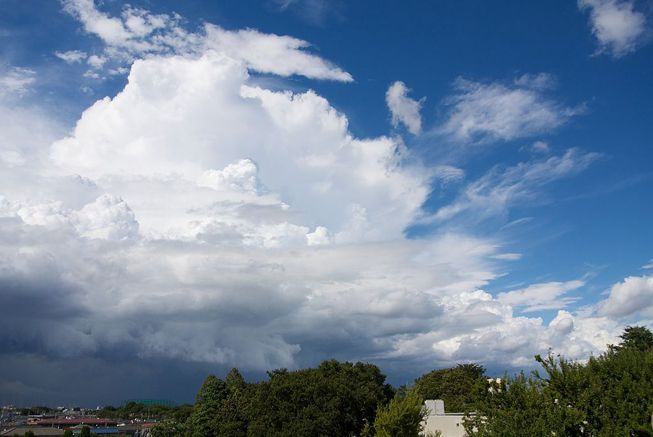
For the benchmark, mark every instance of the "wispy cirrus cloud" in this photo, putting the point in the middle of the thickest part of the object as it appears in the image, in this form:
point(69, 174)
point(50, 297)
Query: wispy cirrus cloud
point(315, 12)
point(480, 112)
point(500, 188)
point(16, 81)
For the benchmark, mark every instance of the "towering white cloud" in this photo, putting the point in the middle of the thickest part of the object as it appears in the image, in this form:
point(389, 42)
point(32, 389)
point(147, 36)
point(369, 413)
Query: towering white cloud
point(617, 26)
point(404, 109)
point(109, 217)
point(191, 123)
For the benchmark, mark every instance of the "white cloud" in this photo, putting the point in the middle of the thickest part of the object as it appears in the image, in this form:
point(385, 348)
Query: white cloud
point(404, 109)
point(539, 81)
point(563, 323)
point(96, 61)
point(23, 132)
point(302, 150)
point(185, 222)
point(71, 56)
point(648, 265)
point(109, 218)
point(543, 296)
point(261, 52)
point(499, 189)
point(16, 81)
point(111, 30)
point(633, 295)
point(492, 334)
point(541, 147)
point(315, 12)
point(241, 175)
point(485, 112)
point(617, 26)
point(197, 216)
point(448, 174)
point(138, 33)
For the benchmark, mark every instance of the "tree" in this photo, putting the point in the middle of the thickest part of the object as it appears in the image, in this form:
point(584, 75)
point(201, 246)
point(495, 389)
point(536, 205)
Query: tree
point(68, 433)
point(235, 380)
point(609, 395)
point(636, 337)
point(85, 432)
point(168, 428)
point(201, 422)
point(402, 417)
point(455, 386)
point(336, 399)
point(232, 419)
point(29, 434)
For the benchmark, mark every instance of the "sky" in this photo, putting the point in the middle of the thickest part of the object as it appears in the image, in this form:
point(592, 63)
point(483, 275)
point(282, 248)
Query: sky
point(187, 187)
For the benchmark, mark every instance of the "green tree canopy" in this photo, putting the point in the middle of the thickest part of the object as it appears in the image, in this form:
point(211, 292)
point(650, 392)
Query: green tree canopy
point(207, 407)
point(235, 381)
point(455, 386)
point(609, 395)
point(402, 417)
point(636, 337)
point(336, 399)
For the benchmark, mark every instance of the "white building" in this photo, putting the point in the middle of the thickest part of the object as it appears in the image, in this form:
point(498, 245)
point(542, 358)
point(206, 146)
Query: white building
point(449, 424)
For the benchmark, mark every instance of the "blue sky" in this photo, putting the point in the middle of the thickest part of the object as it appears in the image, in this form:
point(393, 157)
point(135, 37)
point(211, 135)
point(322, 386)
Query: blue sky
point(191, 186)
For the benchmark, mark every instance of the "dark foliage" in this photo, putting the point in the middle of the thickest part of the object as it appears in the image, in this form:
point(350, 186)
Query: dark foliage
point(335, 399)
point(134, 410)
point(455, 386)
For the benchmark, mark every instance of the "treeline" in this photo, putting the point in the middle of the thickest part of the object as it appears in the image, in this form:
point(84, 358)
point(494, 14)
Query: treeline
point(609, 395)
point(334, 399)
point(137, 410)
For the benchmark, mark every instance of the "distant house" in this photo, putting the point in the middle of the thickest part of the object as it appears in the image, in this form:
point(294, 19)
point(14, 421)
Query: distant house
point(449, 424)
point(70, 422)
point(41, 431)
point(106, 430)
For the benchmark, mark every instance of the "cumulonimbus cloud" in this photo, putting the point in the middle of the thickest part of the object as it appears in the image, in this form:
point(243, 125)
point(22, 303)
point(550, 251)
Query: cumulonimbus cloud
point(198, 216)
